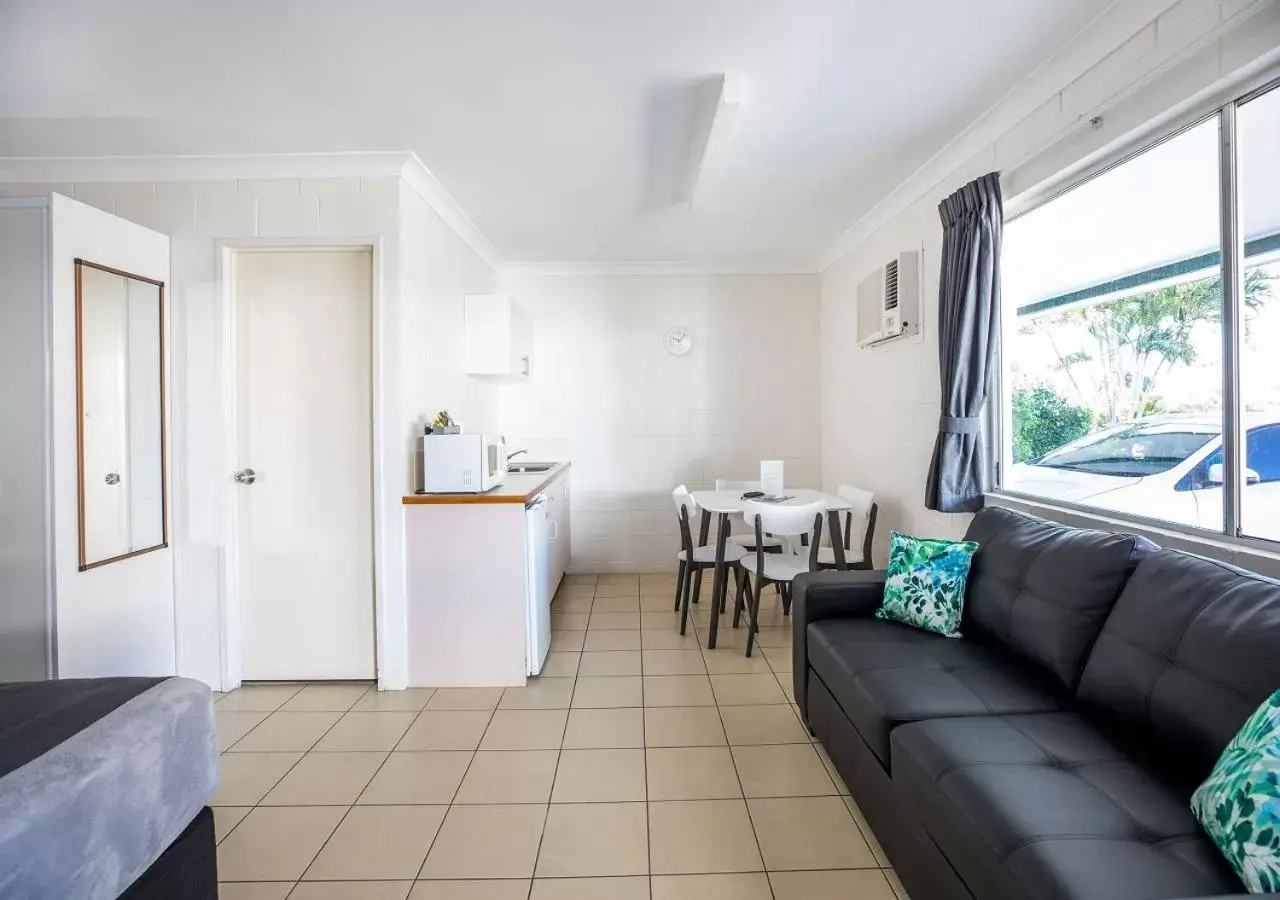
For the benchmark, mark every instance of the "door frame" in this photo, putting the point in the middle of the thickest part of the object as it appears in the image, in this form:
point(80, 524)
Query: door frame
point(230, 619)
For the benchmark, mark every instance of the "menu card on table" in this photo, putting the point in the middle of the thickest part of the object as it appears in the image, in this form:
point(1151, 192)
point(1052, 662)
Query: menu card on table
point(771, 476)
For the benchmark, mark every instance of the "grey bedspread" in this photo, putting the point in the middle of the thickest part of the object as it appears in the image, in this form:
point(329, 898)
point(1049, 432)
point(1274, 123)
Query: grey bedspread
point(85, 819)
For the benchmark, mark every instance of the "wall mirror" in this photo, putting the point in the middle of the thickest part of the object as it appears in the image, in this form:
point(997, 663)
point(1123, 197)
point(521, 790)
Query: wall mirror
point(120, 412)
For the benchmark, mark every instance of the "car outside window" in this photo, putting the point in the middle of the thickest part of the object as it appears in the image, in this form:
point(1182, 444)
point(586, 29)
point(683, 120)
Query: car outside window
point(1129, 451)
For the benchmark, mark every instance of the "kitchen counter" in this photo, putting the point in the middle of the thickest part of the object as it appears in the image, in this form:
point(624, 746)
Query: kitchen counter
point(515, 488)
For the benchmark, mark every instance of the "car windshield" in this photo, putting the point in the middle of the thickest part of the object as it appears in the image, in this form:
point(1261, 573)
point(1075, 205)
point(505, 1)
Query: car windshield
point(1132, 451)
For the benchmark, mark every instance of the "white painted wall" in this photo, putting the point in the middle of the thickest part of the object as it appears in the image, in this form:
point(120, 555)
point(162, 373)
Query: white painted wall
point(117, 619)
point(636, 421)
point(880, 406)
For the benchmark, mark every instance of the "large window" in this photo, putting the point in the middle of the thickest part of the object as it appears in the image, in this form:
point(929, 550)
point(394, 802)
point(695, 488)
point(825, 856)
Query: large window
point(1128, 369)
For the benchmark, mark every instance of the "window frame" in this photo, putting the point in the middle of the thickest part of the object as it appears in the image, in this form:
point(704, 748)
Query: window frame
point(1223, 106)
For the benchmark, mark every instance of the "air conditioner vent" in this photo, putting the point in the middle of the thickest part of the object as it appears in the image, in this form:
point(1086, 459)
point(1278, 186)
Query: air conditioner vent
point(891, 285)
point(889, 300)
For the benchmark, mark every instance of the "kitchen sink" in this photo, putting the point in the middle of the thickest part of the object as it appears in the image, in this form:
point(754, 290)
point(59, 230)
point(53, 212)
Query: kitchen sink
point(530, 468)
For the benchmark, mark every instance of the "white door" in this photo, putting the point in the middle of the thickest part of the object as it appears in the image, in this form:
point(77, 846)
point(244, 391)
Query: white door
point(304, 410)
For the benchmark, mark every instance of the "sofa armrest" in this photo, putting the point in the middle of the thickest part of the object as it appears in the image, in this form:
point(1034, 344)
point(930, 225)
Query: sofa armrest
point(827, 595)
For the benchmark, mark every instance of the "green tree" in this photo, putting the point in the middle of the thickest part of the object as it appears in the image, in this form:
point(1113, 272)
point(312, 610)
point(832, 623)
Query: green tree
point(1137, 339)
point(1044, 420)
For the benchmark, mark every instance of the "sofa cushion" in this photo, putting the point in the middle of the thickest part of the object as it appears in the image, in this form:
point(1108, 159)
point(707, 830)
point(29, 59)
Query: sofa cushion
point(1046, 807)
point(1191, 649)
point(884, 674)
point(1043, 589)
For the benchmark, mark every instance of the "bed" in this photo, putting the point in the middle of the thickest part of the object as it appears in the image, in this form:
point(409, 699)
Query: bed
point(104, 789)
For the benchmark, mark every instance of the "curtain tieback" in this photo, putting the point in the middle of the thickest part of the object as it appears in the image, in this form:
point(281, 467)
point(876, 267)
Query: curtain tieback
point(960, 424)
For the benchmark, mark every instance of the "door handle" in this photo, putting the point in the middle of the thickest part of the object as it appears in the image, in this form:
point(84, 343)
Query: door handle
point(246, 476)
point(112, 478)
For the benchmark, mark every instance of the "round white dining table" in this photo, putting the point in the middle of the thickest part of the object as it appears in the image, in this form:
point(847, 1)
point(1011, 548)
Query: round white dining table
point(730, 503)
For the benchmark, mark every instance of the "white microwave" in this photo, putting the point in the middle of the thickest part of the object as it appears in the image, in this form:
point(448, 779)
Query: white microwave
point(463, 463)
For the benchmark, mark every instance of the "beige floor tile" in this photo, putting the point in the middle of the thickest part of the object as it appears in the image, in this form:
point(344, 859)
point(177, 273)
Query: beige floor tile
point(674, 662)
point(507, 889)
point(599, 776)
point(599, 693)
point(226, 818)
point(683, 726)
point(594, 839)
point(655, 619)
point(326, 698)
point(378, 843)
point(731, 661)
point(567, 641)
point(614, 621)
point(525, 729)
point(486, 842)
point(325, 779)
point(678, 690)
point(539, 693)
point(780, 658)
point(746, 690)
point(429, 777)
point(865, 827)
point(599, 729)
point(615, 639)
point(408, 700)
point(367, 731)
point(841, 787)
point(507, 776)
point(445, 730)
point(702, 837)
point(782, 770)
point(809, 833)
point(865, 884)
point(257, 697)
point(896, 884)
point(465, 698)
point(561, 664)
point(610, 663)
point(788, 686)
point(575, 603)
point(692, 773)
point(763, 725)
point(254, 890)
point(740, 886)
point(276, 843)
point(775, 637)
point(245, 778)
point(287, 731)
point(658, 601)
point(567, 621)
point(633, 887)
point(623, 586)
point(668, 639)
point(627, 604)
point(232, 725)
point(351, 890)
point(661, 581)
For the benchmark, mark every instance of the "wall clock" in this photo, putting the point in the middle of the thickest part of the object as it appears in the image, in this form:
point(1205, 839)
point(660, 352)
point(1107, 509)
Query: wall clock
point(678, 341)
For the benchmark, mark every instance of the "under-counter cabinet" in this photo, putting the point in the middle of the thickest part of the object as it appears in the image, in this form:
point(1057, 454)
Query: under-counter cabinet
point(481, 572)
point(499, 337)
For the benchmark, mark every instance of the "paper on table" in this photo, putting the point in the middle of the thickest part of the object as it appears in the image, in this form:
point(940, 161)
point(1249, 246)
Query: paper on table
point(771, 476)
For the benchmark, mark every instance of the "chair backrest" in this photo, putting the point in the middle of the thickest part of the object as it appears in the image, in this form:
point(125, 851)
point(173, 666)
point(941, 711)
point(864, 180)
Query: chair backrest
point(724, 484)
point(788, 521)
point(858, 523)
point(686, 509)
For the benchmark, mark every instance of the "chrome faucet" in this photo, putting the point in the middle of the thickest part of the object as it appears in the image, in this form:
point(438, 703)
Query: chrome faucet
point(514, 453)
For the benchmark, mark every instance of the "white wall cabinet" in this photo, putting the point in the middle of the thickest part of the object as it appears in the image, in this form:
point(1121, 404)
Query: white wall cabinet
point(499, 337)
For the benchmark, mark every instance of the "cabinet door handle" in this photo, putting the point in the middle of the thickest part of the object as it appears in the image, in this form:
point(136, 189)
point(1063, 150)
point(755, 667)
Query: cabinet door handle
point(524, 365)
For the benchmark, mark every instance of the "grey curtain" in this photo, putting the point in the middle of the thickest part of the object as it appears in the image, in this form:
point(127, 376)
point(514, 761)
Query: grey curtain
point(968, 311)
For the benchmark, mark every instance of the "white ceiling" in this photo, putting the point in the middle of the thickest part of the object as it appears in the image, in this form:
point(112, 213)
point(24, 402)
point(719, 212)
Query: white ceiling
point(561, 127)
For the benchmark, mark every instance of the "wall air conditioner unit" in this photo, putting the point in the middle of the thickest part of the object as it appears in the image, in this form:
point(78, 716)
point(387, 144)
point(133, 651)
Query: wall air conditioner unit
point(889, 301)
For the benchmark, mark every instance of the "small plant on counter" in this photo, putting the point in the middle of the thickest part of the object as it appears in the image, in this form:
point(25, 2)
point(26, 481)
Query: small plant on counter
point(442, 423)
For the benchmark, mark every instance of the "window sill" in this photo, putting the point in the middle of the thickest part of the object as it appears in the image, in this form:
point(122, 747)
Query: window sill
point(1256, 555)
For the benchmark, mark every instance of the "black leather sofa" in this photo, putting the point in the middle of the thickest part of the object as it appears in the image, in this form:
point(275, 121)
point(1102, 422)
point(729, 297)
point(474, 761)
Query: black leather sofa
point(1051, 752)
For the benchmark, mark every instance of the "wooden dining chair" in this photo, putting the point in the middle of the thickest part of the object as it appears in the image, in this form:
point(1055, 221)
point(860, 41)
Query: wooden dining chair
point(804, 525)
point(694, 559)
point(859, 530)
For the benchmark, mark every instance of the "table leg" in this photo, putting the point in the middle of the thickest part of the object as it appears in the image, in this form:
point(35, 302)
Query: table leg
point(837, 539)
point(718, 583)
point(704, 528)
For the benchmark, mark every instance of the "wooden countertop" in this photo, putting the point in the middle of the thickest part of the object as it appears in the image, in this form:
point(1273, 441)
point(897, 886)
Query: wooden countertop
point(516, 488)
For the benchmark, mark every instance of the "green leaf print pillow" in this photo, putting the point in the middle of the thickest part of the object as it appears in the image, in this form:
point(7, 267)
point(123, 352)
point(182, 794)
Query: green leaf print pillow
point(1239, 803)
point(925, 583)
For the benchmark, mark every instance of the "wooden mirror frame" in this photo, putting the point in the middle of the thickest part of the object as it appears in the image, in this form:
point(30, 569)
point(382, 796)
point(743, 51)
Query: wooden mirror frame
point(81, 265)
